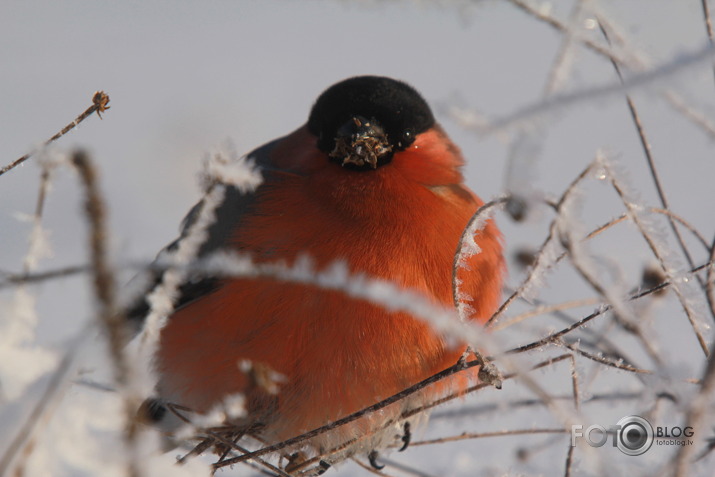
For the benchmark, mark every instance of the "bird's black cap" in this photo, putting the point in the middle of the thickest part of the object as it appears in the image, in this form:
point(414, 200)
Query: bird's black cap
point(396, 107)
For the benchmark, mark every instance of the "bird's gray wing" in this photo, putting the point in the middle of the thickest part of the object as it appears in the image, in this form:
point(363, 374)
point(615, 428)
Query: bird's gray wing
point(228, 217)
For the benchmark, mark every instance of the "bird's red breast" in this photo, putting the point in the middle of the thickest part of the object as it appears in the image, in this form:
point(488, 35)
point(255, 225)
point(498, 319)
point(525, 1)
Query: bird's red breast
point(400, 221)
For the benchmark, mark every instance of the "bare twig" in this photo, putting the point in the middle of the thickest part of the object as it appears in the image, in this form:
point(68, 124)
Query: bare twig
point(381, 405)
point(708, 25)
point(105, 289)
point(482, 435)
point(492, 407)
point(648, 152)
point(354, 416)
point(695, 414)
point(480, 386)
point(540, 255)
point(99, 105)
point(29, 278)
point(545, 309)
point(563, 28)
point(629, 58)
point(49, 399)
point(710, 279)
point(618, 365)
point(569, 460)
point(577, 405)
point(659, 254)
point(604, 309)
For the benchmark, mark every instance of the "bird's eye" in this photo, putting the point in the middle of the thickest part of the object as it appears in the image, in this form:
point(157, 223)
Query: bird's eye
point(407, 138)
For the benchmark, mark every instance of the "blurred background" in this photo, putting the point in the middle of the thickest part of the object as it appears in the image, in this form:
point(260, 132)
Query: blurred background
point(184, 77)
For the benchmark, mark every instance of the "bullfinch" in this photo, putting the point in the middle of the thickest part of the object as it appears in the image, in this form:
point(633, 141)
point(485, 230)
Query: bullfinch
point(372, 181)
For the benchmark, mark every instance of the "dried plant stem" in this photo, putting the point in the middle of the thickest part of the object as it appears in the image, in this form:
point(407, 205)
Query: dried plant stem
point(648, 152)
point(545, 309)
point(488, 371)
point(696, 233)
point(708, 25)
point(381, 405)
point(661, 260)
point(569, 460)
point(638, 61)
point(696, 414)
point(354, 416)
point(561, 27)
point(710, 279)
point(231, 444)
point(481, 435)
point(538, 264)
point(623, 315)
point(99, 105)
point(604, 309)
point(696, 117)
point(480, 386)
point(23, 440)
point(29, 278)
point(105, 289)
point(479, 215)
point(606, 361)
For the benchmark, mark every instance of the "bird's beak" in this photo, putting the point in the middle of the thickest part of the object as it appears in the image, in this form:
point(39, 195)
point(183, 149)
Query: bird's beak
point(361, 142)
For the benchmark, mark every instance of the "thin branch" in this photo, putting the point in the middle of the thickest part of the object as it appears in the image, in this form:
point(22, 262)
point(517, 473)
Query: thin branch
point(696, 414)
point(99, 105)
point(479, 217)
point(354, 416)
point(383, 404)
point(546, 309)
point(563, 28)
point(480, 386)
point(105, 289)
point(231, 444)
point(615, 364)
point(659, 254)
point(56, 386)
point(622, 314)
point(488, 371)
point(590, 94)
point(604, 309)
point(538, 264)
point(708, 25)
point(710, 279)
point(698, 118)
point(29, 278)
point(569, 460)
point(481, 435)
point(648, 152)
point(577, 406)
point(494, 407)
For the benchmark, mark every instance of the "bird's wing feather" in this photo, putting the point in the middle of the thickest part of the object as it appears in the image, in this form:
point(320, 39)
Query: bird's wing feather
point(229, 214)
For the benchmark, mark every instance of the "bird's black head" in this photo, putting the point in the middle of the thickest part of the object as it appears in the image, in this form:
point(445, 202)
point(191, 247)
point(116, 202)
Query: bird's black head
point(362, 121)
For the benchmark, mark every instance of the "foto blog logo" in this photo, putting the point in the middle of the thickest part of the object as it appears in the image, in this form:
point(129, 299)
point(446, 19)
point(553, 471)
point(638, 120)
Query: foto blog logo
point(632, 435)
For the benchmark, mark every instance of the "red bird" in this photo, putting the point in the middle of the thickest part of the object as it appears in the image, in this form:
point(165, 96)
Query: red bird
point(371, 180)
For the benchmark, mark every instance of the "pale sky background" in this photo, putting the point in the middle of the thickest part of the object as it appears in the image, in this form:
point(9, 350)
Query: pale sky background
point(185, 76)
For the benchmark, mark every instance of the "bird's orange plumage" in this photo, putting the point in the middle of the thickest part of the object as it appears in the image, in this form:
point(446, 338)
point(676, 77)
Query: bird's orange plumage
point(401, 222)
